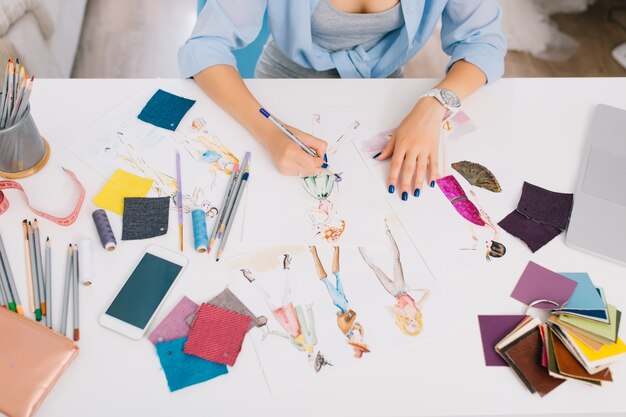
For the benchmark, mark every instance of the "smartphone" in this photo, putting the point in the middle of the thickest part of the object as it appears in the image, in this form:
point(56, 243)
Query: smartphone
point(137, 302)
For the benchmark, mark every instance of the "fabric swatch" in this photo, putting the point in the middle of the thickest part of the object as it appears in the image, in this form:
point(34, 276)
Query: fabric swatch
point(229, 301)
point(586, 301)
point(492, 330)
point(183, 370)
point(539, 283)
point(535, 235)
point(568, 365)
point(165, 110)
point(217, 334)
point(145, 217)
point(524, 356)
point(122, 184)
point(545, 206)
point(174, 325)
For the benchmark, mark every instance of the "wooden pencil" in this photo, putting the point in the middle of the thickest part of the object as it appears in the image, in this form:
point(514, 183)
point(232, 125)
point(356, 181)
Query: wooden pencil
point(29, 273)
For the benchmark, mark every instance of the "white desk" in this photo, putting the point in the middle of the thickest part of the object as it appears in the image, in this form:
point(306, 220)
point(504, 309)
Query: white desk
point(537, 125)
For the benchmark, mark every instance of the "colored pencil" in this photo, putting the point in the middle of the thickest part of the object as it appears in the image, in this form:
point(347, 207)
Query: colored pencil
point(75, 304)
point(12, 287)
point(231, 203)
point(33, 270)
point(41, 283)
point(66, 290)
point(3, 298)
point(240, 190)
point(229, 192)
point(29, 273)
point(179, 199)
point(48, 284)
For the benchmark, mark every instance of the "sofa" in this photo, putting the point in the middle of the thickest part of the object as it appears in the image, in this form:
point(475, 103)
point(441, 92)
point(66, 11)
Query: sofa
point(44, 34)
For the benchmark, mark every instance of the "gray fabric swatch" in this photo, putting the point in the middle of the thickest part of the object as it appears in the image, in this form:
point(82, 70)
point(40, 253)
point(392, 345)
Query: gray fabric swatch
point(144, 218)
point(229, 301)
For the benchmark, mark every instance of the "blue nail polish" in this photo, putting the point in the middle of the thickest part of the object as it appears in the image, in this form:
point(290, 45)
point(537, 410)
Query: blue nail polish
point(432, 184)
point(377, 155)
point(324, 165)
point(325, 158)
point(391, 189)
point(416, 193)
point(405, 196)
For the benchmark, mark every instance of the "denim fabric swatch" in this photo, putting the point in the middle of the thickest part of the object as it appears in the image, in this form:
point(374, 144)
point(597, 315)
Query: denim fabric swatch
point(144, 218)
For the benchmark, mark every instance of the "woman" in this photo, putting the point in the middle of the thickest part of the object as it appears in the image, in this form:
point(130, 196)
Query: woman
point(348, 39)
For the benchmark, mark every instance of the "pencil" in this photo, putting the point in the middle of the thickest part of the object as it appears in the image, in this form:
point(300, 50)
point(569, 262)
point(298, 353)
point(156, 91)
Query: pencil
point(41, 283)
point(229, 207)
point(48, 284)
point(66, 291)
point(5, 291)
point(5, 91)
point(75, 304)
point(12, 287)
point(3, 298)
point(29, 273)
point(229, 191)
point(244, 181)
point(30, 255)
point(179, 199)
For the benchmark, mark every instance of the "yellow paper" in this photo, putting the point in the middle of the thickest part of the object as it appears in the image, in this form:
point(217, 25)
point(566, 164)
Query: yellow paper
point(121, 185)
point(607, 351)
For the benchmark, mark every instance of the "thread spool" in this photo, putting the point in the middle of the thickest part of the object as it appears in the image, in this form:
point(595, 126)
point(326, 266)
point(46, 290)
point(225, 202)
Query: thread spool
point(200, 238)
point(86, 270)
point(105, 232)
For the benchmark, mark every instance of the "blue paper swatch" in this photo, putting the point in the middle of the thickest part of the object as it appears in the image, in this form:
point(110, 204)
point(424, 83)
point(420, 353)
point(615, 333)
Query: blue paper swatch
point(165, 110)
point(182, 370)
point(585, 301)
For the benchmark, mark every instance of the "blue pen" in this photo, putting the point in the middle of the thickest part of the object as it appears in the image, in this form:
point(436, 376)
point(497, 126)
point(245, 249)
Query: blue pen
point(288, 133)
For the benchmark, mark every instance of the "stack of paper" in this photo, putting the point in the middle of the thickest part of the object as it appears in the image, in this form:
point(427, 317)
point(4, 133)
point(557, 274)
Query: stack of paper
point(579, 341)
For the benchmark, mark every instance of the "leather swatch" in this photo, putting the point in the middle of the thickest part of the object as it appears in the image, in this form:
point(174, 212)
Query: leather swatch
point(569, 366)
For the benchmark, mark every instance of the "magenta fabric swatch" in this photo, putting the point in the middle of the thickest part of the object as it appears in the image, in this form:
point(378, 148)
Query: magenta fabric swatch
point(217, 334)
point(453, 191)
point(535, 235)
point(539, 283)
point(492, 331)
point(174, 325)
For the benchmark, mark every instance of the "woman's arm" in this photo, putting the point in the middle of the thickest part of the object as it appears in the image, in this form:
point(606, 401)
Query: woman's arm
point(415, 143)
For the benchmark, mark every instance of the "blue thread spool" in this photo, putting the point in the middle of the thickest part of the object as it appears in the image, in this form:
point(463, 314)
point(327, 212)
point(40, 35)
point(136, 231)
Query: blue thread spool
point(103, 227)
point(200, 238)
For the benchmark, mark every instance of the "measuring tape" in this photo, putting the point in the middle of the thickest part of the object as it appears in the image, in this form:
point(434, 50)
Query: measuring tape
point(61, 221)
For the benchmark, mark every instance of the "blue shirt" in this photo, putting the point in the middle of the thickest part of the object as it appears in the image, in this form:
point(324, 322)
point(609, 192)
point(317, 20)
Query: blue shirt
point(470, 31)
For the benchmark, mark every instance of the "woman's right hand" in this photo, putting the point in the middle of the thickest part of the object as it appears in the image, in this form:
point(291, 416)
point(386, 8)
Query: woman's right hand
point(289, 158)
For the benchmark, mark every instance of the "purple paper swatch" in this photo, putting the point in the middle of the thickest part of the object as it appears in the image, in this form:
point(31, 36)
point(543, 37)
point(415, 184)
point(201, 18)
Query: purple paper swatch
point(492, 331)
point(539, 283)
point(174, 325)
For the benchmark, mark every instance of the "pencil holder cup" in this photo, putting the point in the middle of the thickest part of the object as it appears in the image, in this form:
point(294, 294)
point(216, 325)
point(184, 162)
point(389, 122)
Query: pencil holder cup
point(23, 151)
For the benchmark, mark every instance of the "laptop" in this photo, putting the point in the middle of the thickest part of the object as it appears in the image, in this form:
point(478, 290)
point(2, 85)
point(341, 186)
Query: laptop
point(598, 221)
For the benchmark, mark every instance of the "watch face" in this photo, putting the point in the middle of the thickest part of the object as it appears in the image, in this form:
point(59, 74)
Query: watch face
point(450, 98)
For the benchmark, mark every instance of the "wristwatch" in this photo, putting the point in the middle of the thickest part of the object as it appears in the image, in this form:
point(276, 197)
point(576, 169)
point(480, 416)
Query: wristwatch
point(447, 98)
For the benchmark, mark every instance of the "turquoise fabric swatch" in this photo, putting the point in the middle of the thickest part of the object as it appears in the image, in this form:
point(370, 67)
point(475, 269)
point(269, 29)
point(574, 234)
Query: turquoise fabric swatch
point(585, 300)
point(165, 110)
point(182, 370)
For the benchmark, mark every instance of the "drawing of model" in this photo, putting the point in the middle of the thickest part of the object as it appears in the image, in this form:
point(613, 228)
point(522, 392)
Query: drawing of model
point(324, 217)
point(406, 311)
point(297, 322)
point(346, 317)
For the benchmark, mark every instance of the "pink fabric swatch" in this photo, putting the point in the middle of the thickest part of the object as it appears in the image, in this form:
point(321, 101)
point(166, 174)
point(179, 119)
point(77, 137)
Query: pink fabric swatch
point(174, 325)
point(217, 334)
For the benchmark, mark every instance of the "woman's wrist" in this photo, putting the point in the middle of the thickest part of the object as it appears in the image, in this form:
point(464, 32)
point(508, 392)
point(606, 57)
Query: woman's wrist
point(430, 108)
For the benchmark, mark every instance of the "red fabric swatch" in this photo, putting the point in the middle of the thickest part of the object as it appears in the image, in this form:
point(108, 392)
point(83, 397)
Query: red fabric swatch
point(217, 334)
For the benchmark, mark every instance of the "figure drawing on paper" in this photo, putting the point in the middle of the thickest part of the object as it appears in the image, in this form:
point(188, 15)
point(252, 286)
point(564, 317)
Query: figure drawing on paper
point(477, 175)
point(453, 191)
point(297, 322)
point(324, 217)
point(406, 312)
point(346, 317)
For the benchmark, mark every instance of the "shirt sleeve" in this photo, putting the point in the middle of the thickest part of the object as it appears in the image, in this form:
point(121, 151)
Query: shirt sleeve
point(470, 30)
point(222, 26)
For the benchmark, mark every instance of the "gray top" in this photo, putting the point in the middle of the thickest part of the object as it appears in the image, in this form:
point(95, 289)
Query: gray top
point(332, 30)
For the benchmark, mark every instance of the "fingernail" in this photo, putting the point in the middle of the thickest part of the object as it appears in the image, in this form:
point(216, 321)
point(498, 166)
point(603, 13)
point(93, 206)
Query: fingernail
point(416, 193)
point(377, 155)
point(325, 158)
point(432, 184)
point(391, 189)
point(405, 196)
point(324, 165)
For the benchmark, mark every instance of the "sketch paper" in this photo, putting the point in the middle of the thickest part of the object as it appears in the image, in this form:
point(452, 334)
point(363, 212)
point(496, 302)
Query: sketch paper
point(119, 140)
point(317, 210)
point(442, 235)
point(289, 350)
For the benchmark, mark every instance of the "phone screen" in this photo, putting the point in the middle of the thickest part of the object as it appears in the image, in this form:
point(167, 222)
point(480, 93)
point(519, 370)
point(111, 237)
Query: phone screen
point(144, 290)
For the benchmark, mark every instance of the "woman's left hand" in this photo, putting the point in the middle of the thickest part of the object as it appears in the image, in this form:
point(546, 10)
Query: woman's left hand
point(415, 149)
